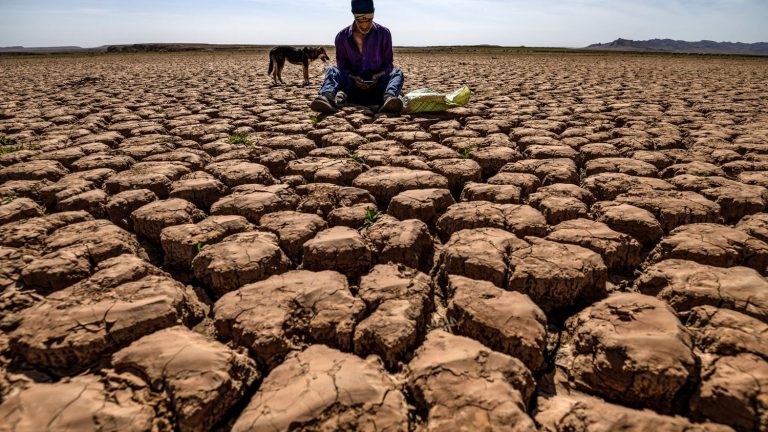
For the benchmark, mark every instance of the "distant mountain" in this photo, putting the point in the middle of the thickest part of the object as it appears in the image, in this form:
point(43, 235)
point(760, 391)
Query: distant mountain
point(677, 46)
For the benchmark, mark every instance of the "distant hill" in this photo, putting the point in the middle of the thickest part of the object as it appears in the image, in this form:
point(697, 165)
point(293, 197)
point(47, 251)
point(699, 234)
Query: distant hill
point(677, 46)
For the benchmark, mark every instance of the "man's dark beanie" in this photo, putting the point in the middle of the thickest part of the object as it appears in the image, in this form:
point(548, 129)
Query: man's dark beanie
point(362, 6)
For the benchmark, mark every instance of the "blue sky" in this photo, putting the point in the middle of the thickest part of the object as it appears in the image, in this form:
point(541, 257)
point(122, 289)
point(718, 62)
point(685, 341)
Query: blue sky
point(569, 23)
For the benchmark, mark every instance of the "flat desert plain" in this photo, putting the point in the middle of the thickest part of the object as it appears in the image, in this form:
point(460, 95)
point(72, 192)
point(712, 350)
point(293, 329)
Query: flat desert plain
point(582, 247)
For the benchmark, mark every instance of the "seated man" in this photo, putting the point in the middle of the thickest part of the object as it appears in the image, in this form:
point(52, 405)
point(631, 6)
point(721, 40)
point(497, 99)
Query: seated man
point(364, 72)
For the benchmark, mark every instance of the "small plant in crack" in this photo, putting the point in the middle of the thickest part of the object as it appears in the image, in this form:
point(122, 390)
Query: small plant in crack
point(371, 216)
point(314, 119)
point(355, 157)
point(466, 152)
point(199, 247)
point(7, 197)
point(239, 139)
point(8, 145)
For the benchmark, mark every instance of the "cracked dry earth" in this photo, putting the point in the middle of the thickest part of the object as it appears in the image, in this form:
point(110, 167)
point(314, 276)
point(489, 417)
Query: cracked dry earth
point(583, 247)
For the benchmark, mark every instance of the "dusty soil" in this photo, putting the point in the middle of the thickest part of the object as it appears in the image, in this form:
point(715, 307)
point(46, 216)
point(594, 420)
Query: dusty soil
point(584, 246)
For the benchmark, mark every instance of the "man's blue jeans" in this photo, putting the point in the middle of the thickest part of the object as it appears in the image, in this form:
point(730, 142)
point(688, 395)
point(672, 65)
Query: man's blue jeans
point(337, 80)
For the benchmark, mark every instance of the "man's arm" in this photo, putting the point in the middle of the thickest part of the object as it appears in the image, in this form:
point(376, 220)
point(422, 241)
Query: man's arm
point(342, 61)
point(387, 55)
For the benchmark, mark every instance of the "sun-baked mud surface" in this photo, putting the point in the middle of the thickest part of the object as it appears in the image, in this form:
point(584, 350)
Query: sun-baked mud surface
point(584, 246)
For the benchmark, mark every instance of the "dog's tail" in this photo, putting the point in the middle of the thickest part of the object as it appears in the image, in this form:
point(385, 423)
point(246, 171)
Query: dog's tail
point(271, 64)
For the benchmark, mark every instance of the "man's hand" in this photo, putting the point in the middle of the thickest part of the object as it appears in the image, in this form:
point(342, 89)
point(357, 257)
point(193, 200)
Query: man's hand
point(360, 83)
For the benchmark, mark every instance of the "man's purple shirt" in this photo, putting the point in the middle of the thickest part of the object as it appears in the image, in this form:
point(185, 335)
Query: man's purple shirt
point(376, 55)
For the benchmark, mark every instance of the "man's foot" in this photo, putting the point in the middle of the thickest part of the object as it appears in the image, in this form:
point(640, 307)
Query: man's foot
point(341, 98)
point(324, 104)
point(391, 104)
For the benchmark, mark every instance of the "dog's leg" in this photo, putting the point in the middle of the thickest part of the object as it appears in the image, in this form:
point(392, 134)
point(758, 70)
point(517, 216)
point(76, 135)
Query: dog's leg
point(280, 66)
point(273, 68)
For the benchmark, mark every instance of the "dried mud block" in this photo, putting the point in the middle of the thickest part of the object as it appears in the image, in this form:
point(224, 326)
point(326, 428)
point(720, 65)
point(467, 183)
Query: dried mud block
point(425, 205)
point(620, 252)
point(322, 198)
point(194, 159)
point(432, 151)
point(72, 251)
point(409, 137)
point(732, 391)
point(627, 166)
point(687, 284)
point(399, 300)
point(597, 151)
point(460, 384)
point(402, 242)
point(82, 403)
point(521, 220)
point(277, 161)
point(31, 233)
point(325, 170)
point(14, 260)
point(119, 207)
point(76, 326)
point(24, 188)
point(607, 186)
point(551, 152)
point(352, 217)
point(239, 172)
point(338, 391)
point(93, 201)
point(549, 171)
point(56, 270)
point(755, 226)
point(630, 220)
point(33, 170)
point(293, 229)
point(735, 199)
point(299, 145)
point(497, 194)
point(181, 243)
point(385, 182)
point(340, 248)
point(527, 183)
point(673, 209)
point(155, 176)
point(714, 245)
point(350, 140)
point(696, 168)
point(64, 189)
point(478, 254)
point(202, 192)
point(150, 220)
point(288, 311)
point(565, 190)
point(203, 378)
point(630, 348)
point(492, 159)
point(254, 201)
point(557, 209)
point(726, 332)
point(505, 321)
point(582, 413)
point(458, 172)
point(103, 160)
point(555, 275)
point(18, 209)
point(238, 260)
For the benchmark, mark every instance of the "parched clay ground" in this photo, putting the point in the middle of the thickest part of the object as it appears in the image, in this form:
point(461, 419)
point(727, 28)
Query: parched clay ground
point(583, 247)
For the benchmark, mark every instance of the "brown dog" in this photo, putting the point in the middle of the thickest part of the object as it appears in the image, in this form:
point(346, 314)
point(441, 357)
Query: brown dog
point(303, 56)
